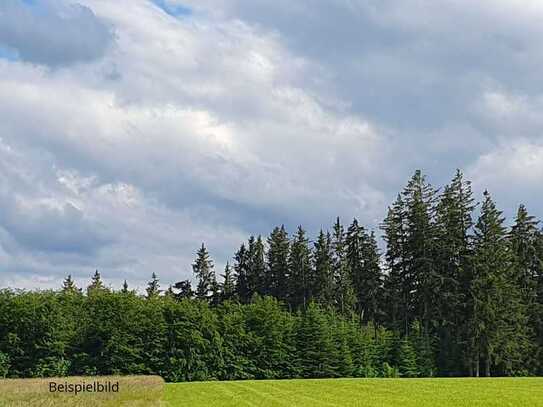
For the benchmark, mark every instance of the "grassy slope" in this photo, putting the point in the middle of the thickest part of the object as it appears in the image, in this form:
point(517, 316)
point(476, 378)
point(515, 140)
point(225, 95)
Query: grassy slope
point(499, 392)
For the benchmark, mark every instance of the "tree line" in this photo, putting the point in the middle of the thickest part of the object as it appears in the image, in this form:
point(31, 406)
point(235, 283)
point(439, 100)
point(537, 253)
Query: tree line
point(456, 292)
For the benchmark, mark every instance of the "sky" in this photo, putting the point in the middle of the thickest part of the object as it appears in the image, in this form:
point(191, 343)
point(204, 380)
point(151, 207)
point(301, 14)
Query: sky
point(131, 131)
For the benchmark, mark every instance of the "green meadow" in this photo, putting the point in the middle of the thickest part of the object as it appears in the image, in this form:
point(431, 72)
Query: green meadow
point(151, 391)
point(464, 392)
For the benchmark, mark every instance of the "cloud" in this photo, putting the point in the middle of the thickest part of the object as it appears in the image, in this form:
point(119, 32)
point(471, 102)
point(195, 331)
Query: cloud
point(217, 121)
point(52, 33)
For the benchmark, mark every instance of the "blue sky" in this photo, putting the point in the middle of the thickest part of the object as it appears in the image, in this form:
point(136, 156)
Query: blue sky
point(132, 131)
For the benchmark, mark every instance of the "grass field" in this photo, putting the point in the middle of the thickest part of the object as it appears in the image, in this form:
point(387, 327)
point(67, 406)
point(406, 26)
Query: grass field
point(147, 391)
point(499, 392)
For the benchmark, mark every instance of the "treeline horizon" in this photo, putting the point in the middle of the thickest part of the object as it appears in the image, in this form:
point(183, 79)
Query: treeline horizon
point(451, 295)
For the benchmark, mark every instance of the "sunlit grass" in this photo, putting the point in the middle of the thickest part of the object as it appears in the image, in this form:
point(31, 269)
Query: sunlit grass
point(464, 392)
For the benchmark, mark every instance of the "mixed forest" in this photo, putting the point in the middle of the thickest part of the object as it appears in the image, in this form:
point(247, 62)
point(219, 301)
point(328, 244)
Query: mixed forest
point(456, 291)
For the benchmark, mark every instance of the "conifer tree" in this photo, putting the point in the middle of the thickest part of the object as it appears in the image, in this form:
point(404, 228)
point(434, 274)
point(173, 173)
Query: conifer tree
point(228, 286)
point(453, 250)
point(371, 287)
point(170, 293)
point(345, 295)
point(397, 283)
point(316, 349)
point(408, 360)
point(277, 273)
point(256, 267)
point(365, 271)
point(96, 284)
point(216, 292)
point(205, 274)
point(124, 290)
point(241, 267)
point(324, 286)
point(184, 290)
point(421, 277)
point(497, 323)
point(527, 264)
point(69, 287)
point(300, 271)
point(153, 287)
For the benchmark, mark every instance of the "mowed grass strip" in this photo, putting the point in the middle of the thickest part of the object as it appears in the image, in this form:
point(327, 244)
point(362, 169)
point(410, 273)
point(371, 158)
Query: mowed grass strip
point(461, 392)
point(133, 391)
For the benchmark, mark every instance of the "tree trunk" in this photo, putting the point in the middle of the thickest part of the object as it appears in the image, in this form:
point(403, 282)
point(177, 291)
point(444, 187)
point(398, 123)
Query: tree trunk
point(487, 365)
point(477, 363)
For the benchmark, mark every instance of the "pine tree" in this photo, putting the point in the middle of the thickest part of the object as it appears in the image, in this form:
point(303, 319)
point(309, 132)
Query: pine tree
point(300, 271)
point(205, 274)
point(277, 278)
point(345, 295)
point(153, 287)
point(228, 286)
point(96, 284)
point(69, 287)
point(324, 286)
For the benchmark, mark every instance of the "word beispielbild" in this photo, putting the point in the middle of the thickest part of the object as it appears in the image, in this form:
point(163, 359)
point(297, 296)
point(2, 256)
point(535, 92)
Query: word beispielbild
point(83, 387)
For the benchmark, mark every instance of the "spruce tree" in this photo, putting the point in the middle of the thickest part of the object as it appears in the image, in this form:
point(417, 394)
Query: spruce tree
point(453, 250)
point(317, 354)
point(371, 288)
point(421, 277)
point(324, 285)
point(125, 289)
point(300, 271)
point(69, 287)
point(397, 284)
point(345, 294)
point(184, 290)
point(523, 237)
point(96, 284)
point(153, 287)
point(497, 320)
point(228, 285)
point(363, 262)
point(408, 360)
point(256, 267)
point(205, 274)
point(277, 273)
point(241, 268)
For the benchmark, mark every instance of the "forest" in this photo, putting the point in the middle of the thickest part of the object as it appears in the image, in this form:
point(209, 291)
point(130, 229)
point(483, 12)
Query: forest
point(455, 291)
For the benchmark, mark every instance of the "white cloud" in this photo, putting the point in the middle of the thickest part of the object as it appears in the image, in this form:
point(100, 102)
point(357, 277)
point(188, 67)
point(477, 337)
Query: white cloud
point(239, 116)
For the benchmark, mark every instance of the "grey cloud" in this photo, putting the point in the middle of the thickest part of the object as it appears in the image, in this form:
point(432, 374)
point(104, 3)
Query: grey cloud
point(53, 33)
point(63, 229)
point(249, 114)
